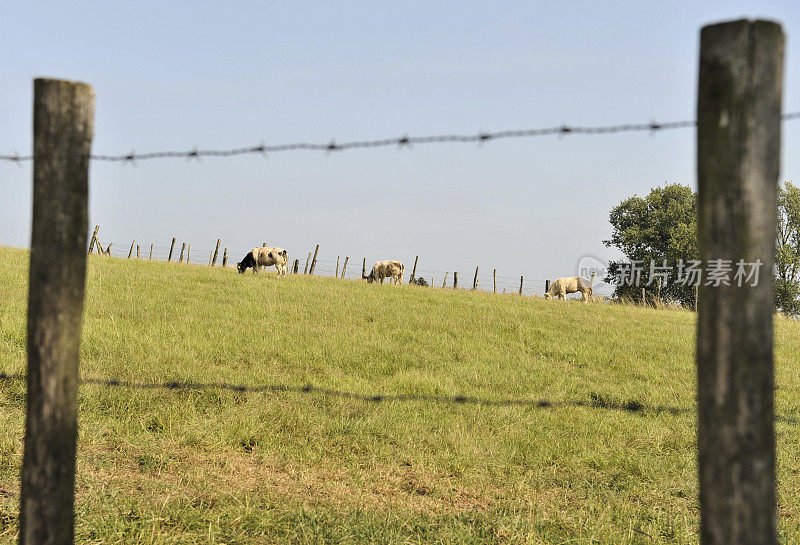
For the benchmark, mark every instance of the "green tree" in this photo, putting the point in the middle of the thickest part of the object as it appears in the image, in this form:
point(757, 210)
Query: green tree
point(658, 228)
point(787, 250)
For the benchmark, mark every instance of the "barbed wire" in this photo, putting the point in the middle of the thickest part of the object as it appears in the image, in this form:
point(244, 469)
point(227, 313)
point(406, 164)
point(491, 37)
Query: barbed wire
point(402, 141)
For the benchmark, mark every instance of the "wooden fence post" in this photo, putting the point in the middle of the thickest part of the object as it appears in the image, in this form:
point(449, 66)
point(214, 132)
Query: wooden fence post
point(99, 247)
point(308, 260)
point(475, 280)
point(414, 271)
point(216, 253)
point(183, 249)
point(94, 239)
point(130, 252)
point(546, 286)
point(210, 257)
point(63, 123)
point(188, 253)
point(225, 258)
point(151, 252)
point(520, 285)
point(296, 266)
point(337, 268)
point(444, 282)
point(108, 248)
point(364, 268)
point(494, 281)
point(344, 267)
point(137, 251)
point(314, 260)
point(171, 247)
point(455, 280)
point(738, 161)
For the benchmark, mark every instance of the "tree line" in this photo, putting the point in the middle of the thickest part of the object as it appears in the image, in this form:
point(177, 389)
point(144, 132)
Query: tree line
point(662, 228)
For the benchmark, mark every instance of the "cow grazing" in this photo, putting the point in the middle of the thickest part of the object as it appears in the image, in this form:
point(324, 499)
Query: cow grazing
point(265, 257)
point(386, 269)
point(571, 284)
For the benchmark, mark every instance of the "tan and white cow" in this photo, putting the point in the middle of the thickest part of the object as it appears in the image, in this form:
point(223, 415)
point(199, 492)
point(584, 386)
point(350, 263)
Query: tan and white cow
point(561, 287)
point(386, 269)
point(265, 257)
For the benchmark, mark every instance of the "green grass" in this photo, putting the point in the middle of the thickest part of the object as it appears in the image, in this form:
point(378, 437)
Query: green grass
point(221, 466)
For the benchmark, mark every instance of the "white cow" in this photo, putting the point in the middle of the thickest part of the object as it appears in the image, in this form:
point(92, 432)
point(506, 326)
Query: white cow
point(571, 284)
point(265, 257)
point(386, 269)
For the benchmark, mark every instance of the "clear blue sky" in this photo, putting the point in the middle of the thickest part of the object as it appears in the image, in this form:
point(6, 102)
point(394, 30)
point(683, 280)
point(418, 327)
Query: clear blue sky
point(171, 75)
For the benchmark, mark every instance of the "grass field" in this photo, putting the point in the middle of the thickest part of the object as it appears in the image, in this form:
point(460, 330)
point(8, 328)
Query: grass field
point(609, 458)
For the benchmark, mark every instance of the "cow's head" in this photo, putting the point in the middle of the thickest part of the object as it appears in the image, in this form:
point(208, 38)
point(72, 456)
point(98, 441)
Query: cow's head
point(548, 296)
point(248, 261)
point(370, 278)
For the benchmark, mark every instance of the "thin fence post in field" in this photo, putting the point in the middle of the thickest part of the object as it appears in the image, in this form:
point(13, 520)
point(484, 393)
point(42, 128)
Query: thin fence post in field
point(520, 285)
point(658, 291)
point(151, 252)
point(414, 270)
point(546, 286)
point(188, 253)
point(344, 267)
point(314, 260)
point(137, 251)
point(63, 123)
point(444, 282)
point(94, 239)
point(455, 280)
point(108, 248)
point(296, 266)
point(738, 160)
point(475, 280)
point(130, 252)
point(183, 249)
point(225, 258)
point(99, 247)
point(308, 260)
point(337, 267)
point(216, 253)
point(364, 268)
point(210, 257)
point(696, 289)
point(171, 247)
point(494, 281)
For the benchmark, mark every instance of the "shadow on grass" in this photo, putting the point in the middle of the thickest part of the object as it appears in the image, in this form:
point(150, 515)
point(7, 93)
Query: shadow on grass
point(595, 401)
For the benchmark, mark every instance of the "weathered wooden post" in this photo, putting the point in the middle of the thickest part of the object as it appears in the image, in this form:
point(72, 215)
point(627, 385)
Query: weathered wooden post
point(94, 239)
point(130, 252)
point(216, 253)
point(210, 257)
point(738, 159)
point(225, 258)
point(364, 268)
point(296, 266)
point(137, 251)
point(455, 280)
point(444, 282)
point(494, 281)
point(520, 285)
point(99, 247)
point(183, 249)
point(188, 253)
point(308, 260)
point(475, 280)
point(63, 123)
point(546, 286)
point(151, 252)
point(414, 271)
point(171, 247)
point(344, 267)
point(314, 260)
point(337, 268)
point(108, 248)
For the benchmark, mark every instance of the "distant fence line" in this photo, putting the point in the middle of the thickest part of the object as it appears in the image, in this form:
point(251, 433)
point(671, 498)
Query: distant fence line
point(183, 252)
